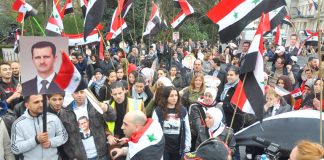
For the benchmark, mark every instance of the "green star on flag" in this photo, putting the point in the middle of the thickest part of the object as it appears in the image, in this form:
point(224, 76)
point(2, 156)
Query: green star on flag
point(255, 2)
point(151, 137)
point(235, 14)
point(76, 79)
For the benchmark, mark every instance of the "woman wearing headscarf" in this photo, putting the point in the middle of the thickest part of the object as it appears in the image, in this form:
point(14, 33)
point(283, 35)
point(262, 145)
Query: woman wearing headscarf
point(98, 80)
point(312, 101)
point(217, 129)
point(197, 116)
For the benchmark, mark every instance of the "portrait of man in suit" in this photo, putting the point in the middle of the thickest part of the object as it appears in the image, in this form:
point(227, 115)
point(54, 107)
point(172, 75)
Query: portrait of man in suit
point(44, 56)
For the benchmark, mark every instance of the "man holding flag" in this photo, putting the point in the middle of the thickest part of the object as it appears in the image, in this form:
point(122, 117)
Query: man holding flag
point(145, 138)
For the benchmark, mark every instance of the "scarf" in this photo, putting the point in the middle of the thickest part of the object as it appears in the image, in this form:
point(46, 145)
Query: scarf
point(218, 126)
point(98, 84)
point(226, 88)
point(135, 95)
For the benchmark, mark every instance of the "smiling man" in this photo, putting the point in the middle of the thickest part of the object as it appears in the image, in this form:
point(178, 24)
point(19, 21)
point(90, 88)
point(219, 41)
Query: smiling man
point(44, 58)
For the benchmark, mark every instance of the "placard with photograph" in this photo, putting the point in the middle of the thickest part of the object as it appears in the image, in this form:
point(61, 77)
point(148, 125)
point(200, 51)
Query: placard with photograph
point(40, 59)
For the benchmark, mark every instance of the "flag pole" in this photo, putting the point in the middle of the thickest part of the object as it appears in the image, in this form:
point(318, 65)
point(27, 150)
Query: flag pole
point(134, 24)
point(31, 26)
point(319, 31)
point(235, 109)
point(144, 20)
point(38, 25)
point(22, 28)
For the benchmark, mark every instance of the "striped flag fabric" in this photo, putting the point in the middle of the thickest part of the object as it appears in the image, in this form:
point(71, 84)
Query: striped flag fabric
point(78, 38)
point(240, 100)
point(276, 16)
point(312, 37)
point(68, 78)
point(148, 142)
point(153, 24)
point(297, 93)
point(278, 38)
point(251, 70)
point(95, 11)
point(186, 10)
point(101, 49)
point(287, 21)
point(67, 9)
point(52, 28)
point(232, 16)
point(24, 10)
point(118, 24)
point(57, 13)
point(84, 4)
point(281, 91)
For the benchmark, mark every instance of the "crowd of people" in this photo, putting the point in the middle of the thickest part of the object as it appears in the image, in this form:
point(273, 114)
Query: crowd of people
point(155, 100)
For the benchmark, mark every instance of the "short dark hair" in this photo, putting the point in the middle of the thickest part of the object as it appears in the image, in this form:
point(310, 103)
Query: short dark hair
point(140, 79)
point(51, 95)
point(117, 84)
point(217, 61)
point(283, 61)
point(247, 42)
point(294, 35)
point(43, 44)
point(83, 117)
point(235, 69)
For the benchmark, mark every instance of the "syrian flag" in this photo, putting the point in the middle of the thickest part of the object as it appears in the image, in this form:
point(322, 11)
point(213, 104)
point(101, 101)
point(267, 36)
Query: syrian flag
point(153, 24)
point(17, 37)
point(243, 103)
point(57, 14)
point(148, 142)
point(84, 4)
point(78, 38)
point(52, 28)
point(93, 16)
point(278, 38)
point(276, 16)
point(24, 10)
point(126, 7)
point(252, 71)
point(186, 10)
point(281, 91)
point(164, 24)
point(312, 38)
point(297, 93)
point(287, 21)
point(232, 16)
point(117, 24)
point(68, 78)
point(67, 9)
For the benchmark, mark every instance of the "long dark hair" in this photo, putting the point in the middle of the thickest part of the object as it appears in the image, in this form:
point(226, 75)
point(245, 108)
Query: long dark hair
point(163, 103)
point(287, 82)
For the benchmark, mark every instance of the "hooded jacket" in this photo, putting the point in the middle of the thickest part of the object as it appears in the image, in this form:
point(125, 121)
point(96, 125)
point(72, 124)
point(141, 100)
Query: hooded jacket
point(24, 132)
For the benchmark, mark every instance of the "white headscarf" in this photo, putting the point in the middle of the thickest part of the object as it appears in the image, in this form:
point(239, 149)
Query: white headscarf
point(218, 126)
point(165, 81)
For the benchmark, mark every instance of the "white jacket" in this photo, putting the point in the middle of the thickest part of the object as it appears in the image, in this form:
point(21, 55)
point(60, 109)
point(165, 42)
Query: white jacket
point(23, 136)
point(5, 152)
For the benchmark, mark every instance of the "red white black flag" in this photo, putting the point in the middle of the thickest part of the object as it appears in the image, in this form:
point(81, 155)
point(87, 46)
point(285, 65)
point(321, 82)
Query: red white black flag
point(153, 24)
point(251, 93)
point(232, 16)
point(24, 10)
point(186, 10)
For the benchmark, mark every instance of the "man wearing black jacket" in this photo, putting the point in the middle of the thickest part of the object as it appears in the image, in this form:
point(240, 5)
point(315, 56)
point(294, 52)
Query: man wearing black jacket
point(220, 73)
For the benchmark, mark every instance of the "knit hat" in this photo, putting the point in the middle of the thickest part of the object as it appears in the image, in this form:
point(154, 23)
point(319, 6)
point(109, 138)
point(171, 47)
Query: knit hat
point(131, 67)
point(98, 70)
